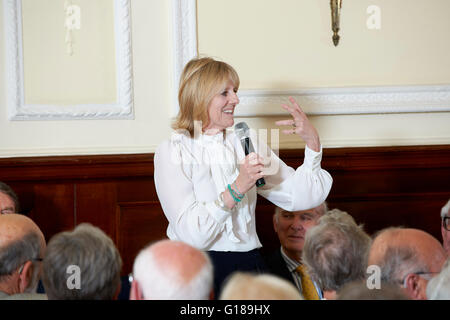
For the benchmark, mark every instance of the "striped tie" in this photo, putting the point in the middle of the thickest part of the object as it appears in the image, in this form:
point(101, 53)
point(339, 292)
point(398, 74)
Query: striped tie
point(308, 289)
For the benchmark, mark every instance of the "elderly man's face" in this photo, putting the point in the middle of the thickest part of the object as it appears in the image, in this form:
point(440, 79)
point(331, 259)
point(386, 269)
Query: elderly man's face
point(6, 204)
point(291, 228)
point(446, 235)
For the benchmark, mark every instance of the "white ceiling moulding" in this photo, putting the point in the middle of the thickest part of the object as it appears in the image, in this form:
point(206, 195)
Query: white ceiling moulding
point(320, 101)
point(350, 100)
point(19, 110)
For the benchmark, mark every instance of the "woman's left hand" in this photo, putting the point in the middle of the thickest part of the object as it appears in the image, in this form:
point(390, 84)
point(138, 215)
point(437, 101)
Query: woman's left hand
point(300, 125)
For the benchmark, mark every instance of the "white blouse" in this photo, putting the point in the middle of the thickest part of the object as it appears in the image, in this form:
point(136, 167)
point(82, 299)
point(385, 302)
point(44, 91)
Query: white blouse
point(191, 173)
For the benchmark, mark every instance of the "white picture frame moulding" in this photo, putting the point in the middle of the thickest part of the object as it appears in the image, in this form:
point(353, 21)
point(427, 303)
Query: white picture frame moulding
point(323, 101)
point(18, 110)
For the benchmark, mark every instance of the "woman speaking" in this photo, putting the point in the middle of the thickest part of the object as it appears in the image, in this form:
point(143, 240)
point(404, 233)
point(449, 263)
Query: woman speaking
point(206, 183)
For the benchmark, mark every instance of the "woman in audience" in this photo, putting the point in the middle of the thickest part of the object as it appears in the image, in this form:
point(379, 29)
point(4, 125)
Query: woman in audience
point(206, 183)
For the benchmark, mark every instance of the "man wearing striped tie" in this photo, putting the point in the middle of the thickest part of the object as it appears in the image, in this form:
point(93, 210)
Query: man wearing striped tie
point(286, 262)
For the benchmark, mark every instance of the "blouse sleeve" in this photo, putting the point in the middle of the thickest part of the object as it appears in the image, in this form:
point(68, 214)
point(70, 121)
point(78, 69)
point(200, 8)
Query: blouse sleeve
point(304, 188)
point(194, 222)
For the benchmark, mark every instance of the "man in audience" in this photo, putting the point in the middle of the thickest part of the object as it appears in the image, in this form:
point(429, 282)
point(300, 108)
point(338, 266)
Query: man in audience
point(286, 262)
point(438, 288)
point(335, 252)
point(407, 257)
point(9, 202)
point(172, 270)
point(358, 290)
point(22, 246)
point(82, 264)
point(246, 286)
point(445, 227)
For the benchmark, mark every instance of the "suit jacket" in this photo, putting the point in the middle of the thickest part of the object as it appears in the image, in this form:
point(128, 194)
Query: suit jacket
point(277, 266)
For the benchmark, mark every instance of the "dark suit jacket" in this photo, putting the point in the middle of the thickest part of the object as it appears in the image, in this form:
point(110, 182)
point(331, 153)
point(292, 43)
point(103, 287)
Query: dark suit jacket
point(277, 266)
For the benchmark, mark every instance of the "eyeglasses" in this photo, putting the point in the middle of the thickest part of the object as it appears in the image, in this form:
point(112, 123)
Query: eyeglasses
point(446, 223)
point(130, 278)
point(23, 265)
point(420, 273)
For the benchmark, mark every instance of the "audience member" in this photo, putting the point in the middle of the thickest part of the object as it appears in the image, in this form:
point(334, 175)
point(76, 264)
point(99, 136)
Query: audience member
point(335, 252)
point(172, 270)
point(9, 202)
point(445, 227)
point(338, 216)
point(407, 257)
point(82, 264)
point(438, 288)
point(247, 286)
point(22, 246)
point(286, 261)
point(358, 290)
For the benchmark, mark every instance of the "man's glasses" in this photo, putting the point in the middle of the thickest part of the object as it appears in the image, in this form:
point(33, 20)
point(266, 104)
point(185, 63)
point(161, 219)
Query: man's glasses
point(23, 265)
point(446, 223)
point(428, 276)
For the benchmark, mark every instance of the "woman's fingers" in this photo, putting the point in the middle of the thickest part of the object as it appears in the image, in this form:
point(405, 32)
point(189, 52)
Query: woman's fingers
point(285, 122)
point(295, 104)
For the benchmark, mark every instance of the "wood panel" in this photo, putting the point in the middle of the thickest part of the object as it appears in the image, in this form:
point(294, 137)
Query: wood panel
point(379, 186)
point(139, 224)
point(53, 207)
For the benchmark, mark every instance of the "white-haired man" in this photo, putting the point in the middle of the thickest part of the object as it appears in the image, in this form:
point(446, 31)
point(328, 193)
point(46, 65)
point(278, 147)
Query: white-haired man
point(172, 270)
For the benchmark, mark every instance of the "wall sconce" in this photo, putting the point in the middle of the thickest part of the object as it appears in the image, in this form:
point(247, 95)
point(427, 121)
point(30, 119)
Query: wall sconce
point(336, 6)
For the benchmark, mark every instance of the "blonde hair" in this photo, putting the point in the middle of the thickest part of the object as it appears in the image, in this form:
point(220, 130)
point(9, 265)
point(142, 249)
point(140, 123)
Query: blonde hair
point(247, 286)
point(202, 78)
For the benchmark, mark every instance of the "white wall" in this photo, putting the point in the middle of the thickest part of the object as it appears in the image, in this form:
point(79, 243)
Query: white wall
point(286, 45)
point(151, 42)
point(273, 45)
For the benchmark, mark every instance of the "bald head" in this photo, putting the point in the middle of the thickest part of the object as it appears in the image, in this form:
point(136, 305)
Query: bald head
point(173, 270)
point(423, 244)
point(407, 257)
point(14, 227)
point(21, 245)
point(177, 258)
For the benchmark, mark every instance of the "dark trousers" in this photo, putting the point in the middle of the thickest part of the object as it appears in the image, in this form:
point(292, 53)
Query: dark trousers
point(227, 262)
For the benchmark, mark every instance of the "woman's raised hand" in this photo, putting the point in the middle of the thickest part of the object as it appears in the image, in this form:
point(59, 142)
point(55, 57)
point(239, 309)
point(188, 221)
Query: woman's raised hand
point(300, 125)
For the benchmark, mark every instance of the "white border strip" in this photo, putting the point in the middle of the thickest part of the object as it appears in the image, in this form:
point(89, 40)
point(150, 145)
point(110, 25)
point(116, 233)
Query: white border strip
point(18, 110)
point(184, 20)
point(355, 100)
point(324, 101)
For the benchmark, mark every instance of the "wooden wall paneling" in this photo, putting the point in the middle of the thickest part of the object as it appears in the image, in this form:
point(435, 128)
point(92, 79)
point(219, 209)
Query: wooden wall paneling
point(136, 190)
point(96, 203)
point(379, 186)
point(54, 209)
point(264, 225)
point(139, 224)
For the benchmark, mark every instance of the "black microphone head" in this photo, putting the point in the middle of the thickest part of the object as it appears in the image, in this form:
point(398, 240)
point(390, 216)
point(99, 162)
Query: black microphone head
point(241, 129)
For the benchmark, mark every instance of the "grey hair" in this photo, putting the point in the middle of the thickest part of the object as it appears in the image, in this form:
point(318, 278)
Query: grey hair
point(398, 262)
point(336, 253)
point(4, 188)
point(445, 211)
point(438, 288)
point(158, 284)
point(90, 249)
point(17, 253)
point(358, 290)
point(323, 209)
point(338, 216)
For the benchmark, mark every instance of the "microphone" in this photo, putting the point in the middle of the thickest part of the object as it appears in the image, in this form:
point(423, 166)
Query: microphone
point(242, 131)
